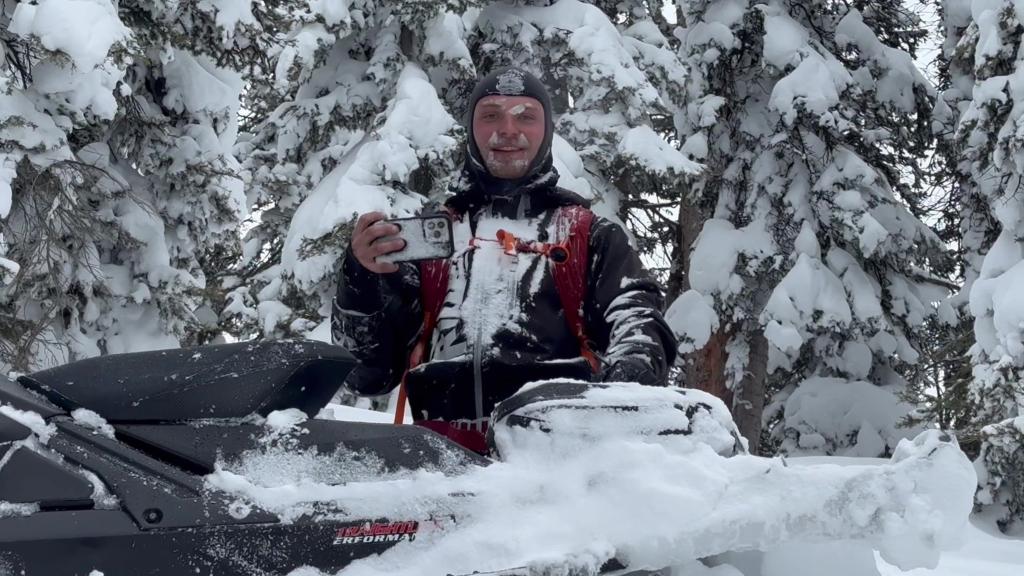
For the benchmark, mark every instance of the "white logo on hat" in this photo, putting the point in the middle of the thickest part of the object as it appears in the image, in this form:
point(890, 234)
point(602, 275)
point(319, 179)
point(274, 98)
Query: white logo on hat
point(511, 82)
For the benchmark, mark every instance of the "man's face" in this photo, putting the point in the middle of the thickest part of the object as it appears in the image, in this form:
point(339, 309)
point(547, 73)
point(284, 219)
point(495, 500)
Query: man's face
point(508, 131)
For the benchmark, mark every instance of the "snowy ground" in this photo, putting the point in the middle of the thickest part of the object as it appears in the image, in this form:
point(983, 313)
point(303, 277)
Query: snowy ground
point(986, 552)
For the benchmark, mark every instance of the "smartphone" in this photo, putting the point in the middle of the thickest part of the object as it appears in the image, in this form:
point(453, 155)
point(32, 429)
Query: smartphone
point(426, 238)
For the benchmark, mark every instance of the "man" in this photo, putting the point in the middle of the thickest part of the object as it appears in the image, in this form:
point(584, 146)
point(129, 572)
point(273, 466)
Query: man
point(502, 323)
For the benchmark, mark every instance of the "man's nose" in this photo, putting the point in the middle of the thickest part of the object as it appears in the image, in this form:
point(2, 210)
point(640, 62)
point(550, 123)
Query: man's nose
point(507, 125)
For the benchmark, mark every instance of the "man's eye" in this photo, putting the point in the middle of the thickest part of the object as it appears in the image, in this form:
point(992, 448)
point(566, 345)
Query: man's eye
point(528, 117)
point(489, 116)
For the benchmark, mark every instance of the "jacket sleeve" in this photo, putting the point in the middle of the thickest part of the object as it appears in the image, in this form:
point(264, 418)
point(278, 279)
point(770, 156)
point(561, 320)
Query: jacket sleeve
point(623, 310)
point(376, 317)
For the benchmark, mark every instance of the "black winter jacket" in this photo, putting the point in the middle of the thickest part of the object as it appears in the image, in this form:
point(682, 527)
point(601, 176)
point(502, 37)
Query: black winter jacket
point(502, 324)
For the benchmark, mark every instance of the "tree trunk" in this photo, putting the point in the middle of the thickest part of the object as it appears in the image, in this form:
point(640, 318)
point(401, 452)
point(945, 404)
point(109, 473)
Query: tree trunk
point(706, 370)
point(690, 223)
point(749, 401)
point(705, 367)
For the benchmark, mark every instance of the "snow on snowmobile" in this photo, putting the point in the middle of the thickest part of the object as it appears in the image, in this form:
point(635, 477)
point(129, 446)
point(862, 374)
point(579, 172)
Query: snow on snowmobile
point(127, 495)
point(135, 464)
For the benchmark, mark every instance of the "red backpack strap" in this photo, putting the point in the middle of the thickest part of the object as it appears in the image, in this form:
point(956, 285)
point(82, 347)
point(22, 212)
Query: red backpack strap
point(572, 225)
point(433, 289)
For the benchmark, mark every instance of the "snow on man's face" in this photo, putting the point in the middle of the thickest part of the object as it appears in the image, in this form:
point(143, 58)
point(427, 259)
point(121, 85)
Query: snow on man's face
point(508, 130)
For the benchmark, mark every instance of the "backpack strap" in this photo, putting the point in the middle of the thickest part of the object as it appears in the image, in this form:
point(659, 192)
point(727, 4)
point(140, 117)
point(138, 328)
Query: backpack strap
point(433, 288)
point(572, 224)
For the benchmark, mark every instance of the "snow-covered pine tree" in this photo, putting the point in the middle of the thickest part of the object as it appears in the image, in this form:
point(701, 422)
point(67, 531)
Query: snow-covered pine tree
point(986, 59)
point(362, 125)
point(57, 91)
point(188, 88)
point(940, 384)
point(807, 116)
point(118, 182)
point(373, 124)
point(618, 83)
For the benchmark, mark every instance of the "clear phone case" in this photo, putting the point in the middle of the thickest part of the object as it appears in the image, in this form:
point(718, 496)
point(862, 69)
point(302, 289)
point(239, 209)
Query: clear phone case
point(426, 238)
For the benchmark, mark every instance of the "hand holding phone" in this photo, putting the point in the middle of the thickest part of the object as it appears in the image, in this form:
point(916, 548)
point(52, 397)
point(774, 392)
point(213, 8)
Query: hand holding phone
point(424, 238)
point(366, 245)
point(378, 243)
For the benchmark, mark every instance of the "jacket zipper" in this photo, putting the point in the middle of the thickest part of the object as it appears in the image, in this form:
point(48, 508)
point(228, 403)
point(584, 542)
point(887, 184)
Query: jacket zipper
point(478, 371)
point(478, 380)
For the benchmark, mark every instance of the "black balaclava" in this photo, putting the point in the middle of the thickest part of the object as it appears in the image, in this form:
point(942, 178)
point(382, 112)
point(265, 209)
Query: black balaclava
point(509, 82)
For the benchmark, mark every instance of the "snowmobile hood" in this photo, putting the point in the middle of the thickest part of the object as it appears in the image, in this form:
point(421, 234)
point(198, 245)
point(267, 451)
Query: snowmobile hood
point(124, 496)
point(222, 381)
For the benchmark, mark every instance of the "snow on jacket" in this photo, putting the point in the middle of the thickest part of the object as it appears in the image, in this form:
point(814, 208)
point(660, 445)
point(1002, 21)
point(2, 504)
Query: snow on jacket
point(502, 324)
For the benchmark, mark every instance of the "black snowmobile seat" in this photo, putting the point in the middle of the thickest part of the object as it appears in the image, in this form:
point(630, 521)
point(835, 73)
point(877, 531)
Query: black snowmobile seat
point(219, 381)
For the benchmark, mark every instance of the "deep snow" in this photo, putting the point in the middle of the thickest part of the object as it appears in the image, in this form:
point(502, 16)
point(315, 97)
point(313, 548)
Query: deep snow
point(653, 501)
point(985, 552)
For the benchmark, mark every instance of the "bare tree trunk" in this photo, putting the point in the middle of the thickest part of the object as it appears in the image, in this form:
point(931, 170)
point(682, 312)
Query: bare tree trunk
point(690, 223)
point(940, 404)
point(707, 368)
point(748, 406)
point(704, 368)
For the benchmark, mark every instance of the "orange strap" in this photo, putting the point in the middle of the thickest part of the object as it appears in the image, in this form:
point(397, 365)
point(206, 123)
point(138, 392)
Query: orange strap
point(400, 408)
point(415, 359)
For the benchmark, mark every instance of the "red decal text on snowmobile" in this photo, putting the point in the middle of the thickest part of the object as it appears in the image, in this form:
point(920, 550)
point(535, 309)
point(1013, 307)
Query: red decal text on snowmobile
point(377, 532)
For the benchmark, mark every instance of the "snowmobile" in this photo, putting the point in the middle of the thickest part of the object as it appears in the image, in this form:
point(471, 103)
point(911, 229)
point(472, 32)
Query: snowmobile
point(104, 461)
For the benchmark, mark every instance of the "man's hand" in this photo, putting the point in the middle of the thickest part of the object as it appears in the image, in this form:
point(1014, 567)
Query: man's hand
point(631, 370)
point(364, 247)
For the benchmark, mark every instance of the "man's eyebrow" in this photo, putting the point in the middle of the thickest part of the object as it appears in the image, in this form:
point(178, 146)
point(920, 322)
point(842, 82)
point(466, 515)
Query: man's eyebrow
point(489, 105)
